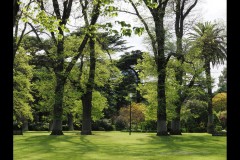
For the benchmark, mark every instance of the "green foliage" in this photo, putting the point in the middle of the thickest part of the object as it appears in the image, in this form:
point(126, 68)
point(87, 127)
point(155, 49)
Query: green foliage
point(99, 103)
point(148, 89)
point(149, 125)
point(43, 89)
point(194, 116)
point(22, 98)
point(137, 112)
point(151, 4)
point(102, 124)
point(138, 30)
point(219, 102)
point(120, 123)
point(211, 40)
point(222, 84)
point(38, 126)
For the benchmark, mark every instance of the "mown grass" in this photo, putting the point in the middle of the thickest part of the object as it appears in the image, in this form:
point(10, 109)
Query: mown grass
point(118, 146)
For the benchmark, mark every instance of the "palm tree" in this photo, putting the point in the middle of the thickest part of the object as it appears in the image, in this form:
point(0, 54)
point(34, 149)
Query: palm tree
point(210, 39)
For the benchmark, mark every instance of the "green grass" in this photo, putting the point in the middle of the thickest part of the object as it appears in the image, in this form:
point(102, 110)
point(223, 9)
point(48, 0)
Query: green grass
point(118, 146)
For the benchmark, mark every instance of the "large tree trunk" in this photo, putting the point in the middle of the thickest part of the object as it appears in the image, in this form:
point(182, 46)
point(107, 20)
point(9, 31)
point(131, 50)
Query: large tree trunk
point(87, 114)
point(210, 125)
point(58, 110)
point(59, 90)
point(161, 68)
point(87, 97)
point(161, 109)
point(176, 126)
point(70, 122)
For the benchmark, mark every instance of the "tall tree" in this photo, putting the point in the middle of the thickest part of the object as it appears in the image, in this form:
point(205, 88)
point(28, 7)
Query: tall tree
point(181, 13)
point(22, 87)
point(127, 64)
point(211, 40)
point(61, 69)
point(157, 10)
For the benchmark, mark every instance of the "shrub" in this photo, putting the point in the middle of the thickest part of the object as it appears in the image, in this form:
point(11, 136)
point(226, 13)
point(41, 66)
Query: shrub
point(150, 125)
point(77, 126)
point(218, 128)
point(65, 127)
point(102, 125)
point(120, 124)
point(38, 126)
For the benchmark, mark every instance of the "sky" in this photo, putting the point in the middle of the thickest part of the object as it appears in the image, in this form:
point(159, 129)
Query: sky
point(210, 10)
point(214, 10)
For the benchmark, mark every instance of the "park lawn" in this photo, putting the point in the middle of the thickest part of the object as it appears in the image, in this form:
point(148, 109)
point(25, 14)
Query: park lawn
point(118, 146)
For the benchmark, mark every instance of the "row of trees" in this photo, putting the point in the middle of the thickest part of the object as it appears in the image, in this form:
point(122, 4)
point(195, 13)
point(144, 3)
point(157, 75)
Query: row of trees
point(71, 73)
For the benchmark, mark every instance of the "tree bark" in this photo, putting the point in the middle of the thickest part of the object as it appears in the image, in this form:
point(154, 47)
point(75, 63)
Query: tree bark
point(159, 57)
point(210, 125)
point(59, 66)
point(15, 10)
point(58, 110)
point(87, 113)
point(161, 68)
point(70, 122)
point(87, 97)
point(176, 124)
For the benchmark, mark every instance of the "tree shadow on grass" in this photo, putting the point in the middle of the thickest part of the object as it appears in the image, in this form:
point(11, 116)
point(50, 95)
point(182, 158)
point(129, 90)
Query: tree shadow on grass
point(189, 145)
point(76, 146)
point(47, 146)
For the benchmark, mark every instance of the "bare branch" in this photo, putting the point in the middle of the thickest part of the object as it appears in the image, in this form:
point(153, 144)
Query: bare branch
point(56, 9)
point(104, 48)
point(169, 56)
point(147, 28)
point(21, 37)
point(38, 38)
point(126, 12)
point(189, 9)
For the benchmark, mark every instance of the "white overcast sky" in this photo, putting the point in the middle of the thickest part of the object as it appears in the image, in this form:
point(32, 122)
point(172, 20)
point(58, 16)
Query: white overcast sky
point(215, 10)
point(210, 10)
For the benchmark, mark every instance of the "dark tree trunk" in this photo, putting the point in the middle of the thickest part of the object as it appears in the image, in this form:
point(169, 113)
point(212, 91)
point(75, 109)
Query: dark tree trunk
point(160, 60)
point(59, 90)
point(70, 122)
point(161, 109)
point(15, 10)
point(58, 68)
point(25, 124)
point(161, 68)
point(176, 125)
point(58, 110)
point(210, 125)
point(14, 47)
point(87, 97)
point(87, 114)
